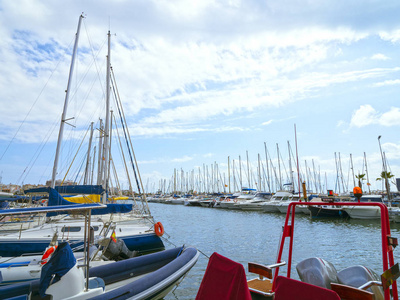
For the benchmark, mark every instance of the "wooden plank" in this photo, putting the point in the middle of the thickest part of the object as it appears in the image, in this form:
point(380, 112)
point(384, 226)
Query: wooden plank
point(351, 293)
point(260, 270)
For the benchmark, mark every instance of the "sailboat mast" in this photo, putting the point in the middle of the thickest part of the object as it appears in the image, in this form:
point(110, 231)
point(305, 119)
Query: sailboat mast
point(229, 176)
point(107, 124)
point(248, 169)
point(297, 158)
point(279, 167)
point(63, 117)
point(87, 171)
point(352, 170)
point(240, 173)
point(266, 162)
point(366, 171)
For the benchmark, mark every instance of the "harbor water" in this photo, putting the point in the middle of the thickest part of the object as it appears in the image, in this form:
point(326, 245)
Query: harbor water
point(245, 236)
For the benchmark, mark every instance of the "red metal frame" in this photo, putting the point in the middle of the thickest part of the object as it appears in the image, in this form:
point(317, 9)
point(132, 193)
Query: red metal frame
point(387, 250)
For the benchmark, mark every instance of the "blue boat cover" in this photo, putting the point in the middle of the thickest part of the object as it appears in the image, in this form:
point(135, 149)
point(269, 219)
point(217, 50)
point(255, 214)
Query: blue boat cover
point(60, 263)
point(71, 189)
point(56, 199)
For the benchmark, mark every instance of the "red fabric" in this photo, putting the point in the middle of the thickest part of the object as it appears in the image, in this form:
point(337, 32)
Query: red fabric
point(290, 289)
point(224, 279)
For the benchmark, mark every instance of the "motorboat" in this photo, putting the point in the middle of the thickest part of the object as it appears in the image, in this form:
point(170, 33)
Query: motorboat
point(327, 211)
point(365, 212)
point(192, 201)
point(255, 203)
point(283, 206)
point(246, 194)
point(319, 278)
point(149, 276)
point(276, 200)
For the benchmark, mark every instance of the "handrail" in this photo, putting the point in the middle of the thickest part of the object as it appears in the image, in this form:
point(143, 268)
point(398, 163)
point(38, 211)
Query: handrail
point(387, 251)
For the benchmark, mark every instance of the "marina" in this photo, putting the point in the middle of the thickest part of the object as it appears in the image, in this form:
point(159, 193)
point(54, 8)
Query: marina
point(295, 218)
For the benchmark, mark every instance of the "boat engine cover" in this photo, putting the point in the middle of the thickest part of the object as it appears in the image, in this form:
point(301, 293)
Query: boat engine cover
point(317, 271)
point(356, 276)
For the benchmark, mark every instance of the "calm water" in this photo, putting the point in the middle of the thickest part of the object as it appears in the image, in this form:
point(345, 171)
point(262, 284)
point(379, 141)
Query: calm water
point(254, 236)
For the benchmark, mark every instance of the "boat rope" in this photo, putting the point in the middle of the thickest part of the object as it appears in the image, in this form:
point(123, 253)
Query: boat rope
point(144, 200)
point(37, 153)
point(80, 168)
point(127, 144)
point(123, 158)
point(74, 157)
point(34, 103)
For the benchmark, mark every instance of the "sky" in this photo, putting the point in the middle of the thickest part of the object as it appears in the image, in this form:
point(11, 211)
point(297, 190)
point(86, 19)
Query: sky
point(203, 83)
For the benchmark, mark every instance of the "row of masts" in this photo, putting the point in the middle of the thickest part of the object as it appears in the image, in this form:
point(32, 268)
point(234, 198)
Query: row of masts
point(267, 174)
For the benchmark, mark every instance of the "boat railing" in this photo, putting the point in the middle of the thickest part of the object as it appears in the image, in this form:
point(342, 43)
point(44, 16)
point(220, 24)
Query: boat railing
point(388, 242)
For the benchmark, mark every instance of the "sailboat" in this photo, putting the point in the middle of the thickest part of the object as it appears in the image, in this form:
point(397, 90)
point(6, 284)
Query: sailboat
point(149, 276)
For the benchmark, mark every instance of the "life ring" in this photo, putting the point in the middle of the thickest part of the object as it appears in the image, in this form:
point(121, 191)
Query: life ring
point(46, 256)
point(158, 229)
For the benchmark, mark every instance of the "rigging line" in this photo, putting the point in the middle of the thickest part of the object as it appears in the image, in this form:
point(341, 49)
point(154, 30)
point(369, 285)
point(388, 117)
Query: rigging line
point(130, 141)
point(80, 168)
point(37, 153)
point(73, 97)
point(126, 139)
point(127, 145)
point(34, 103)
point(72, 131)
point(123, 157)
point(116, 177)
point(74, 157)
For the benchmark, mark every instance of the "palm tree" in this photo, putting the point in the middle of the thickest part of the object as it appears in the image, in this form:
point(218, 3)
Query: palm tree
point(386, 175)
point(360, 178)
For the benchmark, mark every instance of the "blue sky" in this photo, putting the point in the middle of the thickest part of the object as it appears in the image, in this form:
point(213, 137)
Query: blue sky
point(204, 80)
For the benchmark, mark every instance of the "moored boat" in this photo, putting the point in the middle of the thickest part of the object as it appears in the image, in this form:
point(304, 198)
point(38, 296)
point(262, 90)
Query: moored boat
point(365, 212)
point(319, 279)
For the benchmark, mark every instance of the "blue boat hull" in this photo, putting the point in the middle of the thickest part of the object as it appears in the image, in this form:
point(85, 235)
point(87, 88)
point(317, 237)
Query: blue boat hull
point(159, 271)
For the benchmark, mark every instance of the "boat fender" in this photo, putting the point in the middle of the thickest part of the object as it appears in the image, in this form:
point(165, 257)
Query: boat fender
point(159, 229)
point(46, 256)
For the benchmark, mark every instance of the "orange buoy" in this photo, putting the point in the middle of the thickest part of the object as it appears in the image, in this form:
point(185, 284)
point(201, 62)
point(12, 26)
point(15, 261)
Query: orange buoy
point(46, 256)
point(158, 229)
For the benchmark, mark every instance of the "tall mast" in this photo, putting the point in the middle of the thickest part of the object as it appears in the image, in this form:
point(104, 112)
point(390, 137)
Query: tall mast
point(107, 124)
point(63, 117)
point(101, 153)
point(240, 173)
point(290, 167)
point(229, 176)
point(248, 169)
point(279, 167)
point(259, 173)
point(86, 179)
point(266, 162)
point(352, 170)
point(366, 171)
point(297, 159)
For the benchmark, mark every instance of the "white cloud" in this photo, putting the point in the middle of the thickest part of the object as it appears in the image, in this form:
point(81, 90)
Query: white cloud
point(182, 159)
point(379, 56)
point(387, 82)
point(367, 115)
point(267, 123)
